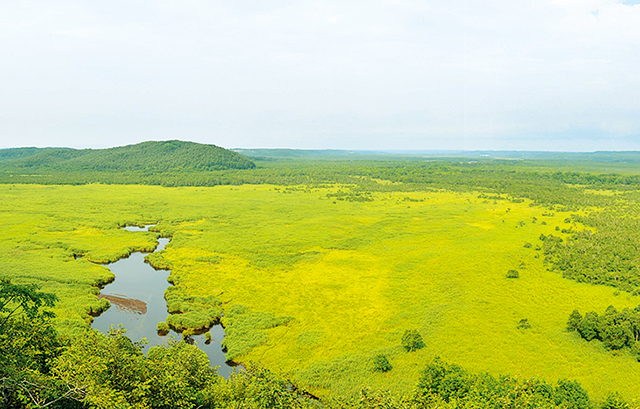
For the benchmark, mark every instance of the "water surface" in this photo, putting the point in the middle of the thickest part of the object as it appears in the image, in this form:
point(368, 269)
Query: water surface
point(137, 302)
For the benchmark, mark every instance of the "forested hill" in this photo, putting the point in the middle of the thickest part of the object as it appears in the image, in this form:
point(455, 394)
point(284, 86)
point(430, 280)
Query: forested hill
point(147, 157)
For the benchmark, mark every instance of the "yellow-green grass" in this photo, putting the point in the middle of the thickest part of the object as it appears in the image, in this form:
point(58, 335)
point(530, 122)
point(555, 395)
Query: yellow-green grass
point(352, 275)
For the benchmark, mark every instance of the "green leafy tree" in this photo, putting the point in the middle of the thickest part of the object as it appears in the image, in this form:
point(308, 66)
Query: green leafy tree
point(616, 336)
point(179, 375)
point(588, 327)
point(574, 320)
point(412, 340)
point(113, 372)
point(259, 388)
point(108, 368)
point(28, 344)
point(444, 380)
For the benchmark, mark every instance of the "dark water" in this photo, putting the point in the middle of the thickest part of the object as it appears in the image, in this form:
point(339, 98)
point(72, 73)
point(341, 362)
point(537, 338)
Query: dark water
point(137, 302)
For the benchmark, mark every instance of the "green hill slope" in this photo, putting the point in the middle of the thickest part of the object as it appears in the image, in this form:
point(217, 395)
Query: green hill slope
point(147, 157)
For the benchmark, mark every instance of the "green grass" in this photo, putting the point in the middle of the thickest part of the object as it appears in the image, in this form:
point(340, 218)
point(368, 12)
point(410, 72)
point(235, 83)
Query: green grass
point(316, 287)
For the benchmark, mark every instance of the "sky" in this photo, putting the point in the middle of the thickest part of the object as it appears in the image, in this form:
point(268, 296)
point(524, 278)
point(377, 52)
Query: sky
point(559, 75)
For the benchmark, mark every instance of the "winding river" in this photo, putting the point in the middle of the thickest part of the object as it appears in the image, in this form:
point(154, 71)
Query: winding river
point(137, 302)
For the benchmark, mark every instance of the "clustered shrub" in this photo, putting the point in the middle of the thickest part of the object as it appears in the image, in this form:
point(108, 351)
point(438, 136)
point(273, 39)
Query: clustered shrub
point(513, 274)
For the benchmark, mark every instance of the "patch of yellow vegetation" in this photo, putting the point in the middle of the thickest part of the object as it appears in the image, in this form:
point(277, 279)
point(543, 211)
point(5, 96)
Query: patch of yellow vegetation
point(354, 275)
point(485, 226)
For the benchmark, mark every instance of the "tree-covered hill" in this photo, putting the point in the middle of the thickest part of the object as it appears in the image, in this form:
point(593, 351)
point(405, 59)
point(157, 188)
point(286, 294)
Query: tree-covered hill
point(146, 157)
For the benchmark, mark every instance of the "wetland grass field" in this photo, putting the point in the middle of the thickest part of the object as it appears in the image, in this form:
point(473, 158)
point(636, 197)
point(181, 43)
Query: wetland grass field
point(315, 280)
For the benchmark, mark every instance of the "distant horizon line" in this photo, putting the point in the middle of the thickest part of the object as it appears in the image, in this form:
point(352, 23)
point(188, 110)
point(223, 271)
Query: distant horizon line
point(385, 151)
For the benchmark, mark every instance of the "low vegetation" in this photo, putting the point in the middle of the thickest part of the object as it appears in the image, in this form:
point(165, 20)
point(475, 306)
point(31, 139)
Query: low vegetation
point(341, 276)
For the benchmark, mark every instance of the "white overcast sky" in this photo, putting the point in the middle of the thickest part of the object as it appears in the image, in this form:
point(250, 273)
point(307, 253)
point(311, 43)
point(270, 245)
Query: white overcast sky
point(369, 75)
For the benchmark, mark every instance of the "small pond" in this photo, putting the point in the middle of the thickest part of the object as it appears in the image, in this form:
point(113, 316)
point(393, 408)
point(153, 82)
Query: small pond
point(137, 302)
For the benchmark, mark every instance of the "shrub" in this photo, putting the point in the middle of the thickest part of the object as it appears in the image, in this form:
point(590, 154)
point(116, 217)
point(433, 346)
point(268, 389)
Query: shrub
point(412, 340)
point(527, 245)
point(162, 328)
point(614, 401)
point(381, 363)
point(513, 274)
point(571, 395)
point(445, 380)
point(524, 324)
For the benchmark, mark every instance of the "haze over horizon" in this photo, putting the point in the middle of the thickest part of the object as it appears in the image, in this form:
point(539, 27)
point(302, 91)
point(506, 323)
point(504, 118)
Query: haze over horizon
point(551, 75)
point(364, 151)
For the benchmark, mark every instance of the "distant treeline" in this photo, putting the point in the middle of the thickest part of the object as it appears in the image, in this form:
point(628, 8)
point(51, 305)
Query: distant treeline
point(519, 180)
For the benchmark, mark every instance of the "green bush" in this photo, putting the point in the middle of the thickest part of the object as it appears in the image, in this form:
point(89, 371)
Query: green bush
point(513, 274)
point(524, 324)
point(381, 363)
point(614, 401)
point(412, 340)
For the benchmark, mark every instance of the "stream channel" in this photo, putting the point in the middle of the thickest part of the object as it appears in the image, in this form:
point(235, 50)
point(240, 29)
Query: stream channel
point(137, 302)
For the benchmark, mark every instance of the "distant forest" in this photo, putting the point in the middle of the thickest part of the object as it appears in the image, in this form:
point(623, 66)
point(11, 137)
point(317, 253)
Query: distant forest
point(146, 157)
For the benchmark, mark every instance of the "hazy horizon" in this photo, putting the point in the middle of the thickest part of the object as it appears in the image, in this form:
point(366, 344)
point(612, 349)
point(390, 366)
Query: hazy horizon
point(387, 151)
point(551, 75)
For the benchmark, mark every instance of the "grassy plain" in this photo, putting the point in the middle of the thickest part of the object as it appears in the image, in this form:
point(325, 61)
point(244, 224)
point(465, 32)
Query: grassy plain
point(314, 287)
